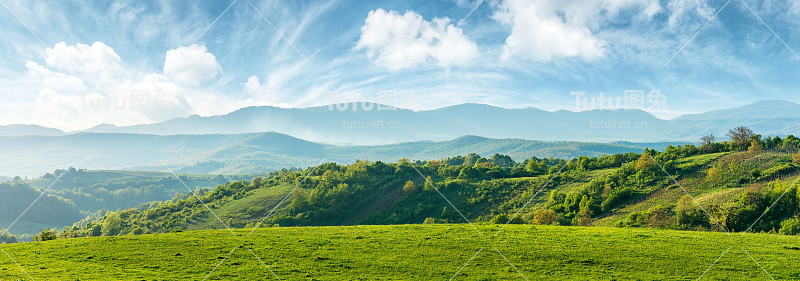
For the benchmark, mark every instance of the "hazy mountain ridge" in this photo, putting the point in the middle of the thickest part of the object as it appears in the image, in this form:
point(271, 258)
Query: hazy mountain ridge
point(370, 124)
point(257, 152)
point(374, 124)
point(28, 130)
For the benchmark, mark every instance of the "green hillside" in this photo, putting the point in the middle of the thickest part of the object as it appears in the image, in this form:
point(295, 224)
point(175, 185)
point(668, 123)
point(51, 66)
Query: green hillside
point(47, 211)
point(731, 190)
point(412, 252)
point(93, 190)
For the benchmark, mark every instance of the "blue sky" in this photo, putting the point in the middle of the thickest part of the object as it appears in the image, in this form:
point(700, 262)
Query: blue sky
point(130, 62)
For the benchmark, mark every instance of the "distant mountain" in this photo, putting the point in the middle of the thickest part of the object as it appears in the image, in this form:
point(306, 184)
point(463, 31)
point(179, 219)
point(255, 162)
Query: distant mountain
point(759, 110)
point(371, 124)
point(256, 152)
point(28, 130)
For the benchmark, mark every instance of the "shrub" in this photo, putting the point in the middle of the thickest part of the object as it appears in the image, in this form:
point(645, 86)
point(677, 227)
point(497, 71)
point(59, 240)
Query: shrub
point(544, 216)
point(499, 219)
point(137, 230)
point(429, 221)
point(790, 226)
point(517, 220)
point(46, 235)
point(755, 146)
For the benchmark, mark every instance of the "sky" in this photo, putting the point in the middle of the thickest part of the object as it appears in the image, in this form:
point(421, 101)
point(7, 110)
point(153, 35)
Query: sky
point(72, 65)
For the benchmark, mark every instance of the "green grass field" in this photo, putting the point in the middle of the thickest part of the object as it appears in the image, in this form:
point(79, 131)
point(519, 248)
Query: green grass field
point(411, 252)
point(237, 209)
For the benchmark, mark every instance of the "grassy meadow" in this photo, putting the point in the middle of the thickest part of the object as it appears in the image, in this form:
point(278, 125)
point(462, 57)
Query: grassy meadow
point(411, 252)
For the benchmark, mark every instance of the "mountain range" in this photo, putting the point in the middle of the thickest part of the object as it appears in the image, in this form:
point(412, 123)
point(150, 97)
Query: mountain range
point(258, 139)
point(371, 124)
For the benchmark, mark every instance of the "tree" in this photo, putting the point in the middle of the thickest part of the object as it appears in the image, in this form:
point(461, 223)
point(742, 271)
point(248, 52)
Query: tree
point(111, 225)
point(428, 184)
point(796, 158)
point(544, 216)
point(707, 142)
point(536, 167)
point(740, 135)
point(46, 235)
point(645, 162)
point(755, 146)
point(469, 172)
point(714, 173)
point(503, 161)
point(409, 188)
point(585, 212)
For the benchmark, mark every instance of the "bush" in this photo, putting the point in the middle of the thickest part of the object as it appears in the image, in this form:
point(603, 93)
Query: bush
point(517, 220)
point(46, 235)
point(429, 221)
point(137, 231)
point(499, 219)
point(544, 216)
point(6, 237)
point(790, 226)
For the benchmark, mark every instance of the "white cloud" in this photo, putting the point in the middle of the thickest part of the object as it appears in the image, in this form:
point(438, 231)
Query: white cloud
point(191, 65)
point(542, 31)
point(96, 60)
point(81, 86)
point(681, 9)
point(404, 41)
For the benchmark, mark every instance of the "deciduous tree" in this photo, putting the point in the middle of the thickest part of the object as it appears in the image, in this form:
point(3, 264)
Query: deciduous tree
point(645, 162)
point(740, 135)
point(409, 188)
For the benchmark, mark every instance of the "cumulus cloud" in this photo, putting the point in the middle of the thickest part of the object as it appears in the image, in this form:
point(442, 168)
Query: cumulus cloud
point(545, 30)
point(404, 41)
point(96, 60)
point(191, 65)
point(79, 86)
